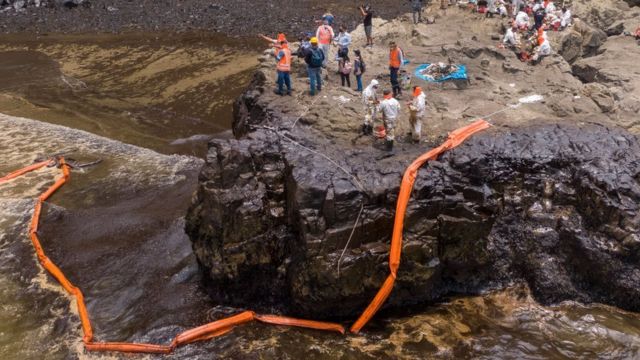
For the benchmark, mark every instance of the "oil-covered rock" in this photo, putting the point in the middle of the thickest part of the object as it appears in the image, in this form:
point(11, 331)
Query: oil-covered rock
point(553, 205)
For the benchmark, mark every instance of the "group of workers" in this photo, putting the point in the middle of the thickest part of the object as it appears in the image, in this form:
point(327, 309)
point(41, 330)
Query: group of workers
point(529, 39)
point(389, 108)
point(315, 50)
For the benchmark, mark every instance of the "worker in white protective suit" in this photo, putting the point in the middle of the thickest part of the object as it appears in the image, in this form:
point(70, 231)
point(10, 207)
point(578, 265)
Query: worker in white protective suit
point(390, 109)
point(510, 39)
point(541, 51)
point(370, 102)
point(566, 18)
point(522, 20)
point(417, 110)
point(550, 7)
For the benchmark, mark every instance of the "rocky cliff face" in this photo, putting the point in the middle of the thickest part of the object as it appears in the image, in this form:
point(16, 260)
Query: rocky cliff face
point(547, 197)
point(555, 206)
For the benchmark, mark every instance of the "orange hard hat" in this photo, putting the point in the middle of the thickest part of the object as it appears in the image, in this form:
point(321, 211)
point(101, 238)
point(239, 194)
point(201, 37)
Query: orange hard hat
point(417, 91)
point(281, 37)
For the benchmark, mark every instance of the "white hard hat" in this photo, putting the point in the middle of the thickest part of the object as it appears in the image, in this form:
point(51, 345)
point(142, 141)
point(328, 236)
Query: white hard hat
point(374, 82)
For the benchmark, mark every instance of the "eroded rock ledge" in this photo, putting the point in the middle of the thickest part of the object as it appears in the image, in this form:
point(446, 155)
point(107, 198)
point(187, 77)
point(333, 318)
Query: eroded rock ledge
point(553, 205)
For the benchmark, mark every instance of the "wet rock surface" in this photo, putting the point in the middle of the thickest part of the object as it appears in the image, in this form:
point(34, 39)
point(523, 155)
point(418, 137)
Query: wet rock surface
point(547, 197)
point(135, 297)
point(554, 205)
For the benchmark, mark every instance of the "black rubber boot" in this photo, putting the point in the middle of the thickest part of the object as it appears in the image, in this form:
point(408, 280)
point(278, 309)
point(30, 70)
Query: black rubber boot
point(389, 145)
point(366, 130)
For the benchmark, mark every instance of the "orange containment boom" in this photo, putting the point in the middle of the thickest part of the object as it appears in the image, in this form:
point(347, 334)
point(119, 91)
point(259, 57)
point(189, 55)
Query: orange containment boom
point(223, 326)
point(201, 333)
point(456, 138)
point(24, 170)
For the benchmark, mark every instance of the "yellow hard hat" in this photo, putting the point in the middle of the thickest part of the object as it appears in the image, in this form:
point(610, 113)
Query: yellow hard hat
point(314, 40)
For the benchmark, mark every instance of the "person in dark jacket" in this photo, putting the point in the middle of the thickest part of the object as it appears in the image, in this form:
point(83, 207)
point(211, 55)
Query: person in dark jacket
point(367, 15)
point(314, 59)
point(358, 69)
point(416, 8)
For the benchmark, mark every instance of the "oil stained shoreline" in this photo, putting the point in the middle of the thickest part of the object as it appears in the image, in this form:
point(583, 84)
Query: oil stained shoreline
point(117, 228)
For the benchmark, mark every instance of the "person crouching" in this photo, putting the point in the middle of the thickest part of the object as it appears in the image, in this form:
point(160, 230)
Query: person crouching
point(542, 50)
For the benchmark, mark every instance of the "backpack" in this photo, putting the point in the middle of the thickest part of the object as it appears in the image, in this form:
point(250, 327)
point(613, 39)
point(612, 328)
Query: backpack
point(317, 58)
point(302, 51)
point(358, 67)
point(363, 66)
point(347, 67)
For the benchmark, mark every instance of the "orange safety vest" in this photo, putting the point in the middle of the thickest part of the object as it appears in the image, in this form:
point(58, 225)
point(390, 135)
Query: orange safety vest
point(540, 35)
point(285, 62)
point(324, 35)
point(394, 58)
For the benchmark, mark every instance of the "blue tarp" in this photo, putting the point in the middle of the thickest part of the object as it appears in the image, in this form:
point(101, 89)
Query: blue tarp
point(461, 74)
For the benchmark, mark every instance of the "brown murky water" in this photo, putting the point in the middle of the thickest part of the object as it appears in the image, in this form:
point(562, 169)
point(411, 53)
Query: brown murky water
point(166, 92)
point(117, 228)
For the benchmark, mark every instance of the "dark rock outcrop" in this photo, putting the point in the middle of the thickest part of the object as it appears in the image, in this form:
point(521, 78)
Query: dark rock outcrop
point(583, 41)
point(552, 205)
point(571, 46)
point(633, 2)
point(592, 38)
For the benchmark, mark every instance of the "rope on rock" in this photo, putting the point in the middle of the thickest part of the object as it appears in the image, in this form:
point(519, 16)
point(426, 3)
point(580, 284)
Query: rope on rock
point(308, 108)
point(355, 180)
point(353, 230)
point(223, 326)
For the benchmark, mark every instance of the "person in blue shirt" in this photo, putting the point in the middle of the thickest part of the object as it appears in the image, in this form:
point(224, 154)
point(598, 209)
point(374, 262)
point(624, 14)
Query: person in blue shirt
point(344, 41)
